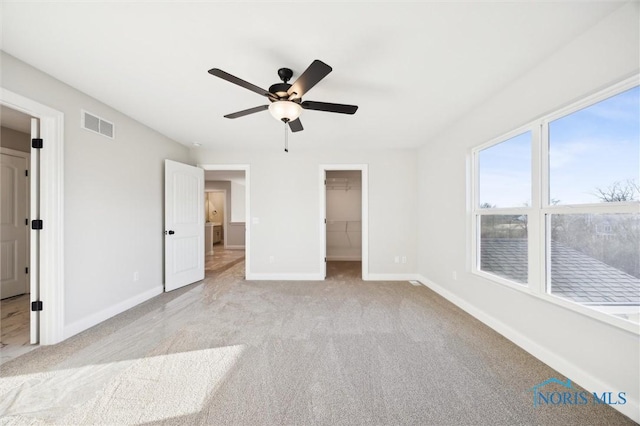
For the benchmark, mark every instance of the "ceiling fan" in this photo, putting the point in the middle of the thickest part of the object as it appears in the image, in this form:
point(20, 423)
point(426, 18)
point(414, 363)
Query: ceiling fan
point(286, 99)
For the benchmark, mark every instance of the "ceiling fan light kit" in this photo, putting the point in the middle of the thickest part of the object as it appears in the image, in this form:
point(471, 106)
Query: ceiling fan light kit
point(285, 110)
point(286, 99)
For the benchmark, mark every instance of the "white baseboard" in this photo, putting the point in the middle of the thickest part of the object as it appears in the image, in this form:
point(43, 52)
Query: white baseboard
point(284, 277)
point(592, 384)
point(392, 277)
point(88, 322)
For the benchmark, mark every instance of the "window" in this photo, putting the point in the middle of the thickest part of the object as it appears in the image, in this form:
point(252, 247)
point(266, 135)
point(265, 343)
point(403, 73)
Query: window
point(594, 153)
point(505, 173)
point(504, 182)
point(564, 222)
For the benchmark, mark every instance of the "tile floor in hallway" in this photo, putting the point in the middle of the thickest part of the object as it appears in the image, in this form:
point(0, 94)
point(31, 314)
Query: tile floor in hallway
point(221, 260)
point(14, 327)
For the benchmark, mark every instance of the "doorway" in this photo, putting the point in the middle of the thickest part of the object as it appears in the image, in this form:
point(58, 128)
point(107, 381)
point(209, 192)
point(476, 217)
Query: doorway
point(344, 216)
point(227, 241)
point(15, 256)
point(46, 187)
point(15, 283)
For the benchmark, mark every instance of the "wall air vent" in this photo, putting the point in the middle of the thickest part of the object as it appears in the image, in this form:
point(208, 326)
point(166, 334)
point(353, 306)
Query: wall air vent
point(96, 124)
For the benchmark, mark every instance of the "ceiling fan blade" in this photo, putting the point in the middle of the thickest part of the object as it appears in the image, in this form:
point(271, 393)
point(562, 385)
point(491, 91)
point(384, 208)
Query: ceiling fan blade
point(309, 78)
point(324, 106)
point(296, 125)
point(247, 111)
point(240, 82)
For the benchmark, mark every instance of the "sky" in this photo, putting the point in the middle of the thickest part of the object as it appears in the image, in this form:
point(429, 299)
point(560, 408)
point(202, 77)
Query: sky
point(588, 149)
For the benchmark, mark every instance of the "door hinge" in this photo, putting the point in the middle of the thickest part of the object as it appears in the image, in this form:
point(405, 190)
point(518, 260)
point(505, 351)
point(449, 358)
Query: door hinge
point(325, 220)
point(26, 173)
point(26, 221)
point(36, 224)
point(325, 181)
point(36, 306)
point(36, 143)
point(26, 270)
point(325, 259)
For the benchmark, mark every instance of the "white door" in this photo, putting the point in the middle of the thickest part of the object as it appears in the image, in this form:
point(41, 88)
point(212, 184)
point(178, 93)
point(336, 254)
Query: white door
point(184, 224)
point(14, 230)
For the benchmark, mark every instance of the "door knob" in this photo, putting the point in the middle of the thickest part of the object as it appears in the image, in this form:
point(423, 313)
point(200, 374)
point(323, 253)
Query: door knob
point(169, 232)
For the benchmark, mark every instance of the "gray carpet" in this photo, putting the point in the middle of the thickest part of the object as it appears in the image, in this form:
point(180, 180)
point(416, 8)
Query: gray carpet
point(235, 352)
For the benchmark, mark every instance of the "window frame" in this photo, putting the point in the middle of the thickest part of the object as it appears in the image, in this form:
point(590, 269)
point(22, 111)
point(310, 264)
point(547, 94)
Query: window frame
point(540, 211)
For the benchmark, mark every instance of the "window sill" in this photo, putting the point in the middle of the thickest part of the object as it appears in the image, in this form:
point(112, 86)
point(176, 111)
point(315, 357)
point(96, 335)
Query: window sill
point(590, 312)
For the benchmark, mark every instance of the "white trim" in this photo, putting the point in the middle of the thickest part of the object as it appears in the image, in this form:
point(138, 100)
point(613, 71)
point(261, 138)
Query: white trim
point(364, 169)
point(247, 207)
point(394, 277)
point(94, 319)
point(15, 152)
point(285, 277)
point(547, 356)
point(51, 211)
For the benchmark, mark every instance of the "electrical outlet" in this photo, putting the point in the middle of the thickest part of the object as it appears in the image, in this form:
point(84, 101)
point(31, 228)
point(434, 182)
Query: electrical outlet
point(404, 259)
point(136, 276)
point(396, 259)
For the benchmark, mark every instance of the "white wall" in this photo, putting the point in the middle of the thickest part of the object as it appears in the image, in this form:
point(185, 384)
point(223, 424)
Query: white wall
point(285, 198)
point(238, 208)
point(113, 205)
point(592, 353)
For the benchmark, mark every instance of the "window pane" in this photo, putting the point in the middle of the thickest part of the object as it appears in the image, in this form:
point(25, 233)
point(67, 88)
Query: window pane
point(595, 258)
point(505, 173)
point(596, 149)
point(503, 246)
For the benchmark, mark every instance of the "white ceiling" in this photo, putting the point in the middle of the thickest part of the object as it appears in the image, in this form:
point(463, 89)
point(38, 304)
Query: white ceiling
point(413, 68)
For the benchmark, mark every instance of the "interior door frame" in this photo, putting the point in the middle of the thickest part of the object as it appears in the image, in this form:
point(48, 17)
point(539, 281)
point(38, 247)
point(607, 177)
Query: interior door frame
point(50, 194)
point(246, 168)
point(364, 170)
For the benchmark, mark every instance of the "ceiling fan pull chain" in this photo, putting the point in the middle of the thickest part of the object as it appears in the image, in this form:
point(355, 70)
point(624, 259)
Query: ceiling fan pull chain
point(286, 138)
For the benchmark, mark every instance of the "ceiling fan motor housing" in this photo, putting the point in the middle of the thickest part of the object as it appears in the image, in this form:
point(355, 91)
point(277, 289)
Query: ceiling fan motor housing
point(281, 89)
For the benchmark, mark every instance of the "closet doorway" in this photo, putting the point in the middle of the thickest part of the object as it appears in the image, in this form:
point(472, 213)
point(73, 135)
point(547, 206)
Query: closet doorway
point(344, 215)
